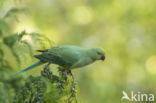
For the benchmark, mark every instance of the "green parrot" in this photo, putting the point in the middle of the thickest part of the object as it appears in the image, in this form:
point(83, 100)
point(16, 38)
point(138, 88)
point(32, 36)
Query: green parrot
point(68, 57)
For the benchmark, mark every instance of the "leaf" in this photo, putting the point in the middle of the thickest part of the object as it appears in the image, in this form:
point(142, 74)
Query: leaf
point(12, 12)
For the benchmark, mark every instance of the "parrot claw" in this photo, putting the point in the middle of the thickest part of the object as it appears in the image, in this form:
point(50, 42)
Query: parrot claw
point(47, 65)
point(70, 72)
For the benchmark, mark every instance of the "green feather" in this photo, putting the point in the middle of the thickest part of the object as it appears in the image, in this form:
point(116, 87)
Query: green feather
point(29, 67)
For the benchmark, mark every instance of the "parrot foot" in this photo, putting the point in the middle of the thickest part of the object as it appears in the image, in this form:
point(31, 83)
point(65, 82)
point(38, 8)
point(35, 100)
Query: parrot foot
point(65, 73)
point(47, 65)
point(70, 72)
point(46, 72)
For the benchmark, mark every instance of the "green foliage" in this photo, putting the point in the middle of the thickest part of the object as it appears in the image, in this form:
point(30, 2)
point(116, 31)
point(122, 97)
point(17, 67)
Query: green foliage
point(13, 12)
point(48, 88)
point(35, 89)
point(7, 84)
point(32, 92)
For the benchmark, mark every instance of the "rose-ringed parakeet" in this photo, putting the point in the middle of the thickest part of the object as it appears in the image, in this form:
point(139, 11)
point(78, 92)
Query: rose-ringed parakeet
point(68, 57)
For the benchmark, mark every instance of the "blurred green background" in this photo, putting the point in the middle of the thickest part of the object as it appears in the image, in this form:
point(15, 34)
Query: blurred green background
point(126, 29)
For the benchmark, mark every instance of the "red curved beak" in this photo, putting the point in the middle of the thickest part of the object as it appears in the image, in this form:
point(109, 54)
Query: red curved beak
point(103, 57)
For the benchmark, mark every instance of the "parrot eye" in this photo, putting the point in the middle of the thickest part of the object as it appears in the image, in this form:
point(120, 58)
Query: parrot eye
point(98, 53)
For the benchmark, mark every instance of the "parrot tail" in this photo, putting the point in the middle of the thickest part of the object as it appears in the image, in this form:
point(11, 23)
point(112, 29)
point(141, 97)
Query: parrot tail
point(29, 67)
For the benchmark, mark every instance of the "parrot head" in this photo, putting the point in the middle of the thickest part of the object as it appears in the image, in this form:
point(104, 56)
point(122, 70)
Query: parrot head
point(97, 54)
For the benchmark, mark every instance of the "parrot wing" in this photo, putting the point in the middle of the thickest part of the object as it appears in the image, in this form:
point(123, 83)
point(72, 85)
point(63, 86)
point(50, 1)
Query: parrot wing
point(65, 56)
point(52, 58)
